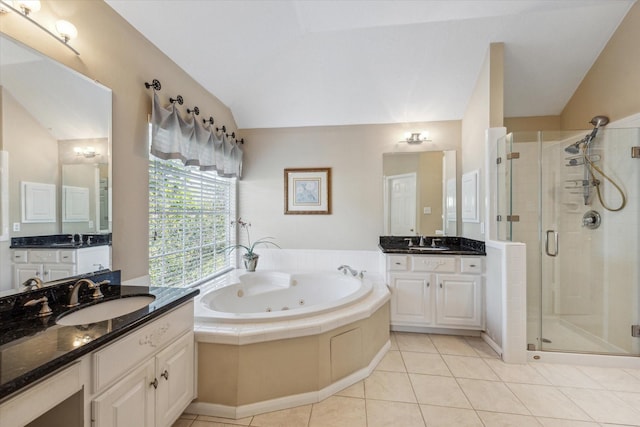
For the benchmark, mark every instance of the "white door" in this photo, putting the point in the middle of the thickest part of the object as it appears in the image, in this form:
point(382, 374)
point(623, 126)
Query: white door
point(401, 204)
point(175, 371)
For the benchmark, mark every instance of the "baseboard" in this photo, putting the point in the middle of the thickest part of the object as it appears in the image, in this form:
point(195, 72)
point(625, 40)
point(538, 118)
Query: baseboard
point(486, 338)
point(236, 412)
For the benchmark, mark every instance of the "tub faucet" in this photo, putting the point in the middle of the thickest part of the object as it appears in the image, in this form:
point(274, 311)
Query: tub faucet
point(32, 283)
point(344, 268)
point(97, 294)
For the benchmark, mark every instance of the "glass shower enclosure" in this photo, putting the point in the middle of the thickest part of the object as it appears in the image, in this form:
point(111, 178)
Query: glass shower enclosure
point(578, 212)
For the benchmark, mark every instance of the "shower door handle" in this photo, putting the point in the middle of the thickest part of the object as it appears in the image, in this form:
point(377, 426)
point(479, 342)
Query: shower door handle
point(555, 243)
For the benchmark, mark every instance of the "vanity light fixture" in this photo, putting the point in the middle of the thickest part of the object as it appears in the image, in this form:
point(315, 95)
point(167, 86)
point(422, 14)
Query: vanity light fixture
point(86, 152)
point(416, 137)
point(25, 8)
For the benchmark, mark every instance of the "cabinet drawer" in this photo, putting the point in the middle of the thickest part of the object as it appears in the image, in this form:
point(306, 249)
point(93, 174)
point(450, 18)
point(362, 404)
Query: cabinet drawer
point(471, 265)
point(435, 263)
point(68, 257)
point(398, 262)
point(43, 256)
point(115, 360)
point(19, 257)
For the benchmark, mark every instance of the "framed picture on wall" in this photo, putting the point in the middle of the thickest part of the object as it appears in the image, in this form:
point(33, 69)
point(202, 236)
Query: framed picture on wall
point(307, 191)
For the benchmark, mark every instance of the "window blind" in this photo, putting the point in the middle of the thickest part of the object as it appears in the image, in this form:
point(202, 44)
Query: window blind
point(190, 214)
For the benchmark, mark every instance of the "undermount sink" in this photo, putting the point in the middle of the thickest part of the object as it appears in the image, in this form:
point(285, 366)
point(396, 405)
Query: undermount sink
point(429, 248)
point(105, 310)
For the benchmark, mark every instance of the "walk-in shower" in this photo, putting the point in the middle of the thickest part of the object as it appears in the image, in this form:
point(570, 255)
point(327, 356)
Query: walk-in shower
point(574, 199)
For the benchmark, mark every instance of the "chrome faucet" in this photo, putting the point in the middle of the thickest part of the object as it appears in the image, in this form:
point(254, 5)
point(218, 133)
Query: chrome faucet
point(435, 243)
point(344, 268)
point(97, 294)
point(32, 283)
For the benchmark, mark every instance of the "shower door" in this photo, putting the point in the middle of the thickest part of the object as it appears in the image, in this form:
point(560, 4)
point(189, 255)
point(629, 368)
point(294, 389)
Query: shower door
point(588, 273)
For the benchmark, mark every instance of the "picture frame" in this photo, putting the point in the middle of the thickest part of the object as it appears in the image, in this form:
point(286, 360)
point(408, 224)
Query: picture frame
point(307, 191)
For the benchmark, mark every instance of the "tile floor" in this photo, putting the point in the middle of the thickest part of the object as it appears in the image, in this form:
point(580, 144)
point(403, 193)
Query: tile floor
point(440, 380)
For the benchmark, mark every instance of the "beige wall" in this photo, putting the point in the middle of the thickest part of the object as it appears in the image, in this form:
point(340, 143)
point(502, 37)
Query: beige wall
point(517, 124)
point(355, 155)
point(485, 109)
point(612, 85)
point(114, 53)
point(430, 194)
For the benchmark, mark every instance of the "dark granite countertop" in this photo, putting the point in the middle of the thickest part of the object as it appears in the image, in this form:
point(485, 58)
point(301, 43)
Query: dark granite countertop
point(32, 347)
point(61, 241)
point(446, 245)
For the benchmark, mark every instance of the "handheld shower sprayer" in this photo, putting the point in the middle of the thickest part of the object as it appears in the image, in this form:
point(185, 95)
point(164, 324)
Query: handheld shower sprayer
point(597, 121)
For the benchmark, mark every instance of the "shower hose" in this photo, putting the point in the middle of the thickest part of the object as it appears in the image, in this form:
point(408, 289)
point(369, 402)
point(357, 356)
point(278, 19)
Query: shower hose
point(594, 168)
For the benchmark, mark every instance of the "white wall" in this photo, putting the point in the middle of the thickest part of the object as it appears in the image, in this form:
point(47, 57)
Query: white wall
point(355, 155)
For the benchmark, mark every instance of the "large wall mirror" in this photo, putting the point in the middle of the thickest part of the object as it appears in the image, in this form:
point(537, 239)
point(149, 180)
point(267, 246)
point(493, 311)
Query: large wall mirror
point(55, 138)
point(420, 196)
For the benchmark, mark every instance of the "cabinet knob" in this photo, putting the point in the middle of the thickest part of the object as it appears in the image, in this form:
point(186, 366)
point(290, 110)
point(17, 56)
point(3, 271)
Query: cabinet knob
point(472, 265)
point(398, 263)
point(427, 284)
point(154, 383)
point(165, 374)
point(440, 285)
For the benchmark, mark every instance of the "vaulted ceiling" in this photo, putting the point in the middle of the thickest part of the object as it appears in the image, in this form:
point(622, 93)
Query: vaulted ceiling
point(286, 63)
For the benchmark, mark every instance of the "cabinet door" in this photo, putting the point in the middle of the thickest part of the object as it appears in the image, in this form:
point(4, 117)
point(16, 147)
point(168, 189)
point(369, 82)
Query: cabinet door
point(175, 372)
point(22, 272)
point(58, 271)
point(410, 299)
point(459, 301)
point(130, 402)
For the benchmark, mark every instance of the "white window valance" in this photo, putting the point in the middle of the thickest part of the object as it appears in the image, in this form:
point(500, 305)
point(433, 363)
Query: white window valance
point(173, 137)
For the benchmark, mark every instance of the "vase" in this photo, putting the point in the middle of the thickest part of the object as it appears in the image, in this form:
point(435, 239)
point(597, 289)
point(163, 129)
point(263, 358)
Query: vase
point(250, 261)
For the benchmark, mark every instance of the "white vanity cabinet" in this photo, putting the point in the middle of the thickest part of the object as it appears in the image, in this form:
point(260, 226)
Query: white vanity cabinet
point(436, 291)
point(55, 264)
point(159, 387)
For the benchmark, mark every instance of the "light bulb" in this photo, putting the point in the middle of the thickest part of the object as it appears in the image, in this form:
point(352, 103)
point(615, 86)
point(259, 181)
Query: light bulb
point(66, 30)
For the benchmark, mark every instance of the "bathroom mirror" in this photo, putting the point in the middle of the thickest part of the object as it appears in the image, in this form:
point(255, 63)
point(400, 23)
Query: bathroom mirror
point(55, 129)
point(420, 196)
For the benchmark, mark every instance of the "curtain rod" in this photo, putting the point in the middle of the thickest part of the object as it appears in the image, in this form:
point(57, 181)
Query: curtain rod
point(156, 86)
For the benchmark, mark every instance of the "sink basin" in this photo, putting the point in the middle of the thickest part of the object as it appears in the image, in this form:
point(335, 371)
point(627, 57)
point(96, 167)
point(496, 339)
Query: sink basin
point(429, 248)
point(105, 310)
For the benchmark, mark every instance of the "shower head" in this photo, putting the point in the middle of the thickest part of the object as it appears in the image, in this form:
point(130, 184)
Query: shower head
point(574, 148)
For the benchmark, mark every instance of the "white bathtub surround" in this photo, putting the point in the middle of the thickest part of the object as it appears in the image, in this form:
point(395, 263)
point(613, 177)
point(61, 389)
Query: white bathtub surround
point(210, 330)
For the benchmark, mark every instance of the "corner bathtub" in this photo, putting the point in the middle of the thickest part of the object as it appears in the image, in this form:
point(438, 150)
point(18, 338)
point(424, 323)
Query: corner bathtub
point(276, 296)
point(300, 336)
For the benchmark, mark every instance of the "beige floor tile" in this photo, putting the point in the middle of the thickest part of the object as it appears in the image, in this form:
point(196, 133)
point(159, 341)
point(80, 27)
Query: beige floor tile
point(394, 342)
point(603, 406)
point(513, 373)
point(393, 386)
point(612, 378)
point(200, 423)
point(439, 391)
point(188, 416)
point(631, 399)
point(239, 422)
point(495, 419)
point(447, 344)
point(491, 396)
point(469, 367)
point(565, 375)
point(634, 372)
point(415, 342)
point(381, 413)
point(555, 422)
point(355, 390)
point(183, 422)
point(440, 416)
point(425, 363)
point(482, 348)
point(547, 401)
point(392, 361)
point(294, 417)
point(337, 411)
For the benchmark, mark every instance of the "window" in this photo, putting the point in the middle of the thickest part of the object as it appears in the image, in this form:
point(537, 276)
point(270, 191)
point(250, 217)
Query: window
point(190, 214)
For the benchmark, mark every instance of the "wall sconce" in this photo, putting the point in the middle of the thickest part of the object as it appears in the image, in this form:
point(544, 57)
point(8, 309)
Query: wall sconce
point(416, 137)
point(86, 152)
point(25, 8)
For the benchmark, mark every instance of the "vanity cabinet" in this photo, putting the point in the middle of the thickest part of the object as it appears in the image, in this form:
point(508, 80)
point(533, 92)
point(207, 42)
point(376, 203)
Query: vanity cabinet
point(55, 264)
point(156, 391)
point(436, 291)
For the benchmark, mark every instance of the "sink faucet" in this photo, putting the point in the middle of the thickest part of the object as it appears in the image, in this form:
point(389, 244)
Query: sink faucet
point(45, 310)
point(97, 294)
point(422, 241)
point(32, 283)
point(344, 268)
point(435, 242)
